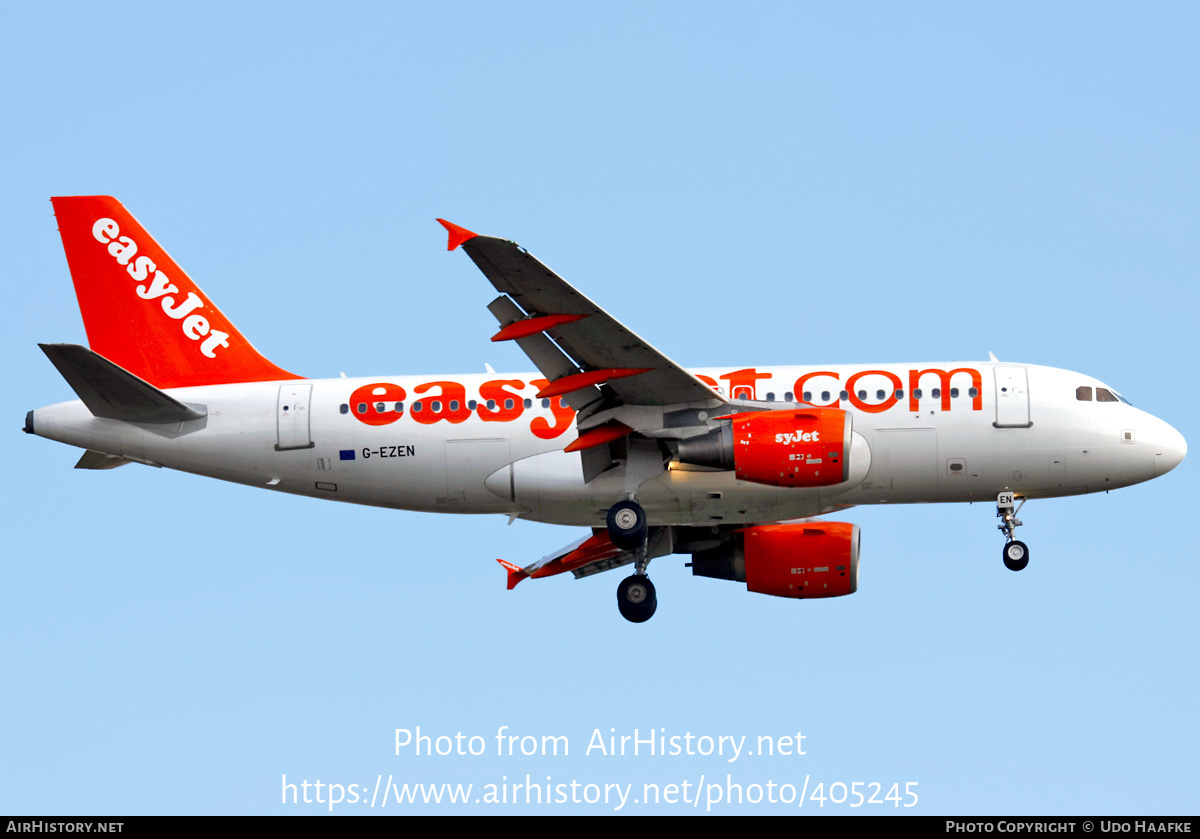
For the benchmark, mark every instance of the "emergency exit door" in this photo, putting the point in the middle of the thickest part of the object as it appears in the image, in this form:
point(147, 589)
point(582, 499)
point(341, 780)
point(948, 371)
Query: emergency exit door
point(1012, 397)
point(292, 417)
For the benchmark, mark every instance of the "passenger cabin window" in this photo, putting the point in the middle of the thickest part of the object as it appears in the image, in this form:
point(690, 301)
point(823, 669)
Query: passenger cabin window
point(1103, 394)
point(1083, 394)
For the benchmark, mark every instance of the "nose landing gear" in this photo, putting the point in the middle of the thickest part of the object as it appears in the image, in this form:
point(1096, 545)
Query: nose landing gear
point(1016, 553)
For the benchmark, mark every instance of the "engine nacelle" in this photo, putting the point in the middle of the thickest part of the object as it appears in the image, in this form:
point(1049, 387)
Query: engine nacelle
point(804, 447)
point(813, 559)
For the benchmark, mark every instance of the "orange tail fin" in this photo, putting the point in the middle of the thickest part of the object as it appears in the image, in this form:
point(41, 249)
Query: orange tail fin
point(141, 311)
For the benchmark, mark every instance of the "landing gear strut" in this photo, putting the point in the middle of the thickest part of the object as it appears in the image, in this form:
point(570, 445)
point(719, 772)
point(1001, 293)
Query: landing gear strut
point(636, 600)
point(1016, 553)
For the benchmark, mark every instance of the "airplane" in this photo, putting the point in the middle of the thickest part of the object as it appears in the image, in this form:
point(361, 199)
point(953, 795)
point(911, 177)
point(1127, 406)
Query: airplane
point(733, 467)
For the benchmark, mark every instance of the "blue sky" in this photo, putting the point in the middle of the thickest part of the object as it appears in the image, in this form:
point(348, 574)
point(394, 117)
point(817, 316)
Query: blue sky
point(777, 184)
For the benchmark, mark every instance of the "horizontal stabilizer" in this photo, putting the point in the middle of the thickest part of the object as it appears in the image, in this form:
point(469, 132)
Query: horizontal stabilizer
point(111, 392)
point(99, 460)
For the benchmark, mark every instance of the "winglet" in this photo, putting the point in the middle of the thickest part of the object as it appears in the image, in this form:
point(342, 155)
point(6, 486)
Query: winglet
point(458, 235)
point(515, 574)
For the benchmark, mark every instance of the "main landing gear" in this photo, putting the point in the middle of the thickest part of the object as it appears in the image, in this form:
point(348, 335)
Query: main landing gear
point(636, 600)
point(1016, 553)
point(627, 524)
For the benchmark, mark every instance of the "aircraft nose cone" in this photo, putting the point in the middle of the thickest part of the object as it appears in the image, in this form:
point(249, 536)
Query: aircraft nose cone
point(1170, 450)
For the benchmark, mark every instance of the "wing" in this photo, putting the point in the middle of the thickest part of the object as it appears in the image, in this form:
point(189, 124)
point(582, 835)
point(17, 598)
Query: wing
point(586, 556)
point(585, 353)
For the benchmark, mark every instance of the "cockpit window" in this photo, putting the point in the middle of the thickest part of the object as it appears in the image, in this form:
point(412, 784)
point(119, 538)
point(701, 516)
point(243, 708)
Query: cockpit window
point(1083, 394)
point(1122, 398)
point(1103, 394)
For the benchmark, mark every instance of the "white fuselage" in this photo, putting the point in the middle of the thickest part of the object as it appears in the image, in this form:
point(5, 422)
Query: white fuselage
point(975, 429)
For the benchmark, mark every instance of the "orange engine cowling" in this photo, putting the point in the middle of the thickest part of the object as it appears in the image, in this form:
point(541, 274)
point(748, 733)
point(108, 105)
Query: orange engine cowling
point(813, 559)
point(802, 447)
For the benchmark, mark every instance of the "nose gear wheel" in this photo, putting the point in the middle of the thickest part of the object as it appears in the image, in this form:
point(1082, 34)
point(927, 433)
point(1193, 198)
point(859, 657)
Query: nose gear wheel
point(1016, 553)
